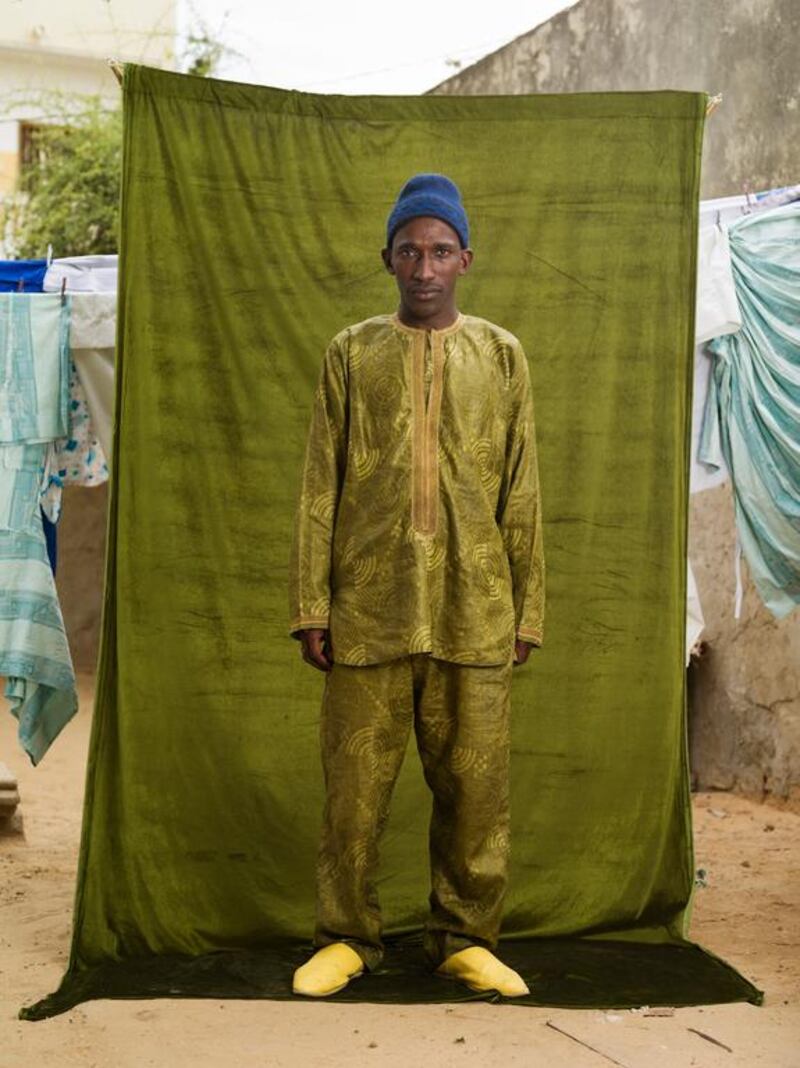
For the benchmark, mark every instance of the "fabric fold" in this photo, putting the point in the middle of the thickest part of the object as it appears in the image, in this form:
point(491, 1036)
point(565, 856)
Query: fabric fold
point(753, 407)
point(34, 653)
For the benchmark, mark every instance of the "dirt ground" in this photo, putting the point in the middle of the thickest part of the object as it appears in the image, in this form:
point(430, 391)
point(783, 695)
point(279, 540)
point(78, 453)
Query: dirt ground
point(748, 912)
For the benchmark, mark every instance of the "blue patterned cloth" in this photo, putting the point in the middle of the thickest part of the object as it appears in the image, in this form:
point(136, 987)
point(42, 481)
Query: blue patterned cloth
point(34, 653)
point(752, 410)
point(76, 460)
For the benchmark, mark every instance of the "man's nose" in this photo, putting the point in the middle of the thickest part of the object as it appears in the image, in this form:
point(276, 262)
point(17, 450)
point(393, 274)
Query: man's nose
point(424, 266)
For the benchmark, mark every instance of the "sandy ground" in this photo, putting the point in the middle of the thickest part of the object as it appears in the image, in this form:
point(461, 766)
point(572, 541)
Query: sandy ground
point(748, 913)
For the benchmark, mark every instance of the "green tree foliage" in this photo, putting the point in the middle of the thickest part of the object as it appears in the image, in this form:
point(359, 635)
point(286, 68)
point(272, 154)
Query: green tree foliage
point(202, 53)
point(68, 189)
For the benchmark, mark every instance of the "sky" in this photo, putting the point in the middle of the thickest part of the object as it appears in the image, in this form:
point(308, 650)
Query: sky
point(360, 46)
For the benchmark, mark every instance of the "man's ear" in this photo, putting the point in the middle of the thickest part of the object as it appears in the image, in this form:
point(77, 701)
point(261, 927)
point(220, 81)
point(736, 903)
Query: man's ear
point(386, 256)
point(467, 256)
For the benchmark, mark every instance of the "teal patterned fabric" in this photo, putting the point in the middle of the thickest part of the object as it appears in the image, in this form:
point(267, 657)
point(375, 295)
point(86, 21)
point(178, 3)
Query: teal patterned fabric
point(34, 367)
point(34, 653)
point(753, 407)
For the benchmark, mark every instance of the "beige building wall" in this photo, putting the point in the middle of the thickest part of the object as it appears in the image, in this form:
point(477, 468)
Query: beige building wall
point(142, 30)
point(63, 47)
point(745, 693)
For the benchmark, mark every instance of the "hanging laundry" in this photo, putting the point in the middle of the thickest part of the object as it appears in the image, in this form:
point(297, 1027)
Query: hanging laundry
point(28, 272)
point(695, 621)
point(77, 459)
point(753, 405)
point(34, 367)
point(21, 468)
point(34, 652)
point(784, 194)
point(83, 274)
point(92, 339)
point(713, 298)
point(34, 397)
point(717, 310)
point(701, 475)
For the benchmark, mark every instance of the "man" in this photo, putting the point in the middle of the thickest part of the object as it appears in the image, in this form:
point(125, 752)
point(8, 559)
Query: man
point(416, 583)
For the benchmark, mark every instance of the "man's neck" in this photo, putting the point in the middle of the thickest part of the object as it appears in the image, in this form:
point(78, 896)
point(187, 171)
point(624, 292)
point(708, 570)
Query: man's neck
point(446, 317)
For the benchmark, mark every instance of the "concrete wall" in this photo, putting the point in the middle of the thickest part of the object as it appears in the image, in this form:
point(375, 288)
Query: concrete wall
point(744, 49)
point(744, 703)
point(743, 694)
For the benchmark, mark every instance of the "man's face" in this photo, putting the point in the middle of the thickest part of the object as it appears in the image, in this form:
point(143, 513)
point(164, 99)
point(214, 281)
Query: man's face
point(426, 258)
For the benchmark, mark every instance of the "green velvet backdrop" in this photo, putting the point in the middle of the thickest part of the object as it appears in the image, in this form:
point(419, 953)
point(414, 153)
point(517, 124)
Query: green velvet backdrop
point(252, 224)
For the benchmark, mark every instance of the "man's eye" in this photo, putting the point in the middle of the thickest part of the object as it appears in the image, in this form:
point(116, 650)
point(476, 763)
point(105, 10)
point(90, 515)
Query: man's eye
point(442, 252)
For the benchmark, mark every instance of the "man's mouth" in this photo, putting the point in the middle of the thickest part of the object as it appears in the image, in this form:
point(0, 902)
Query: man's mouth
point(425, 292)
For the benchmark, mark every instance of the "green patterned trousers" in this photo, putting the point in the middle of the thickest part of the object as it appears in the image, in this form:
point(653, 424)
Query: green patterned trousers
point(460, 715)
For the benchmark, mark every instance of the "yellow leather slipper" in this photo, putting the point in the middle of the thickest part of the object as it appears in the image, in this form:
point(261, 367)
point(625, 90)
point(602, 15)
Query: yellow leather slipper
point(330, 969)
point(481, 970)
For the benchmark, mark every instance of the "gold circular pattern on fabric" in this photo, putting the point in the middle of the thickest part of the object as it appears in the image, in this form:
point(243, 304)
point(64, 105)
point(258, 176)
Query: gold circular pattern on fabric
point(362, 569)
point(323, 507)
point(357, 856)
point(499, 352)
point(435, 555)
point(361, 743)
point(420, 640)
point(355, 355)
point(486, 562)
point(365, 462)
point(383, 392)
point(462, 759)
point(513, 537)
point(483, 451)
point(499, 841)
point(321, 607)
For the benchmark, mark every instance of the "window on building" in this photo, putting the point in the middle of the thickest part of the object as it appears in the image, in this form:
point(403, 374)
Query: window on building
point(31, 149)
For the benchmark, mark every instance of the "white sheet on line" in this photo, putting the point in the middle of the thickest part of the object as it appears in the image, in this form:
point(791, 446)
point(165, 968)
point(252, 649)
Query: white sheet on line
point(92, 336)
point(83, 274)
point(717, 309)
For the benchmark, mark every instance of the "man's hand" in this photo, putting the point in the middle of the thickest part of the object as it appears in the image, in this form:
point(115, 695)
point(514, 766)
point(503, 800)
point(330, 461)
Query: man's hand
point(316, 648)
point(522, 650)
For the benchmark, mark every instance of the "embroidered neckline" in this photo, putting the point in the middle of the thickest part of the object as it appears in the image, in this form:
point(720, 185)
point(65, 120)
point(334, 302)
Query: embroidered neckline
point(457, 323)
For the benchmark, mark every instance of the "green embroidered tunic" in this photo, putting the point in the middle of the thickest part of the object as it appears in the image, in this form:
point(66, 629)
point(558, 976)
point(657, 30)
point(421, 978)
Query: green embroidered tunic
point(418, 526)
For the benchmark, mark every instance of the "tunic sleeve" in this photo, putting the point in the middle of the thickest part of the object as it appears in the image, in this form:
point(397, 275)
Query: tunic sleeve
point(320, 487)
point(519, 511)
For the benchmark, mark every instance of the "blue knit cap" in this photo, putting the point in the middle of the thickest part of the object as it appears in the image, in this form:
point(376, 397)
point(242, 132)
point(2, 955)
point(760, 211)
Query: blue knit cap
point(429, 194)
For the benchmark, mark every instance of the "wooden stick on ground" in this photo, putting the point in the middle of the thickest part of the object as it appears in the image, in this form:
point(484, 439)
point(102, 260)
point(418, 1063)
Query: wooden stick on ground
point(580, 1041)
